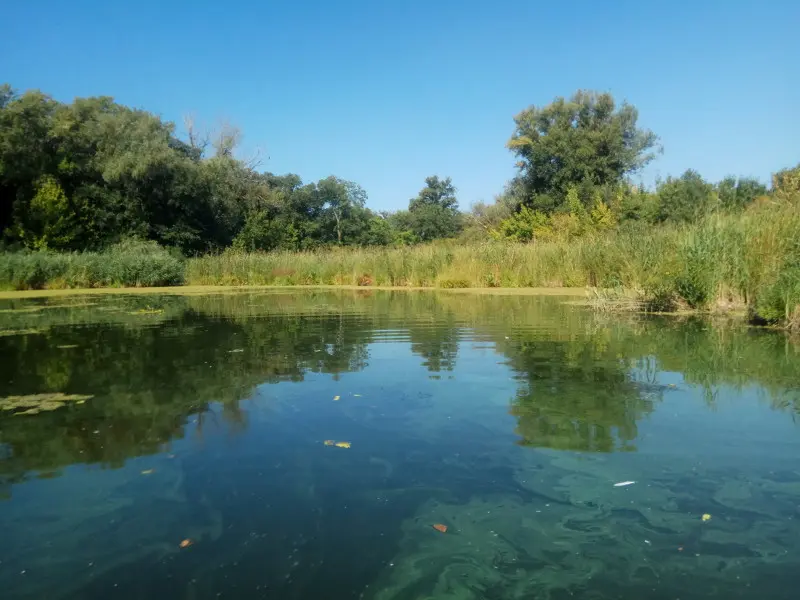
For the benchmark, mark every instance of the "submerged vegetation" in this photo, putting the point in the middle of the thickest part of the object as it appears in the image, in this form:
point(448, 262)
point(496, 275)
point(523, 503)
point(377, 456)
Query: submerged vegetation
point(96, 194)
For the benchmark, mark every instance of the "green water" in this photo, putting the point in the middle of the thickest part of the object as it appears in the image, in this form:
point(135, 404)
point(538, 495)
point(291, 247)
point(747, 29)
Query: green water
point(507, 419)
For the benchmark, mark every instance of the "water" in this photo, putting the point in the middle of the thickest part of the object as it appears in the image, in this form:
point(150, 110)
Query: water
point(508, 419)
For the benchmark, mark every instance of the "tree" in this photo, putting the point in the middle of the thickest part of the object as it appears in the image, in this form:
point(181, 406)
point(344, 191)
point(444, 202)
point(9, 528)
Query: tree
point(434, 213)
point(437, 192)
point(585, 140)
point(685, 199)
point(735, 194)
point(341, 200)
point(50, 219)
point(786, 183)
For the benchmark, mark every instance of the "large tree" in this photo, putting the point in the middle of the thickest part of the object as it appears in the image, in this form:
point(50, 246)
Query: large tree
point(434, 212)
point(583, 141)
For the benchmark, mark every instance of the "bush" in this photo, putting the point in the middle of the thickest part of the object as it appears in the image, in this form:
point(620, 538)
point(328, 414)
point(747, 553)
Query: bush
point(128, 264)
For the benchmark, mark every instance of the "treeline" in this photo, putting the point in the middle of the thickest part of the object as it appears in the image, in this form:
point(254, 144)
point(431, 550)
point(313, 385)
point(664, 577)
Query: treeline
point(86, 175)
point(92, 173)
point(576, 158)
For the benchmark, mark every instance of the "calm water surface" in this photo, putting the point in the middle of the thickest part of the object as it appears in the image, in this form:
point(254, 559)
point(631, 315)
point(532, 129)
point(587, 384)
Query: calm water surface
point(507, 419)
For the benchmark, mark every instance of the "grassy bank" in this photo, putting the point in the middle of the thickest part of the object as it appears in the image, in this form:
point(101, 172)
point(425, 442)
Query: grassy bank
point(748, 260)
point(130, 264)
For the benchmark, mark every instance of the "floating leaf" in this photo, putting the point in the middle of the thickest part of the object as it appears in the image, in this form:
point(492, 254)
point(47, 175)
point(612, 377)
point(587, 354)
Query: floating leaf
point(342, 444)
point(335, 398)
point(147, 471)
point(329, 442)
point(186, 543)
point(440, 528)
point(147, 311)
point(706, 517)
point(235, 350)
point(67, 346)
point(36, 403)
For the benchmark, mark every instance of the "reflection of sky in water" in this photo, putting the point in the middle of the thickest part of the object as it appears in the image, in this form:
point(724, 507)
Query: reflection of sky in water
point(436, 410)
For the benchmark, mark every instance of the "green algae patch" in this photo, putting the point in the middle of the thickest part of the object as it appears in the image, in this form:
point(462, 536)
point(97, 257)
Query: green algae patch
point(10, 332)
point(35, 403)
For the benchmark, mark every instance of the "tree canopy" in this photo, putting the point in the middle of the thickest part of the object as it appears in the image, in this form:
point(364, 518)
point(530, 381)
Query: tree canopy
point(88, 174)
point(585, 140)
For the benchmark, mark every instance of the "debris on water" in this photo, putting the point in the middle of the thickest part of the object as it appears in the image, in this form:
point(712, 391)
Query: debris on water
point(440, 528)
point(337, 444)
point(624, 483)
point(148, 471)
point(235, 350)
point(648, 542)
point(67, 346)
point(706, 517)
point(335, 398)
point(186, 543)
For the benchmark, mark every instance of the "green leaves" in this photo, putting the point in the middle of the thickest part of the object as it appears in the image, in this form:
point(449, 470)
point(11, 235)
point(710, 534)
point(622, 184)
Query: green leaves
point(583, 140)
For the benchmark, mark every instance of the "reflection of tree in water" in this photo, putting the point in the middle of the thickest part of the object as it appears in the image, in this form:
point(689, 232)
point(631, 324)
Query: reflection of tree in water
point(150, 373)
point(437, 344)
point(575, 395)
point(148, 381)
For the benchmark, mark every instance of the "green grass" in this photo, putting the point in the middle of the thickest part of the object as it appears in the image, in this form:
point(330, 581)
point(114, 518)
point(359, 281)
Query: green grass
point(130, 264)
point(747, 260)
point(751, 260)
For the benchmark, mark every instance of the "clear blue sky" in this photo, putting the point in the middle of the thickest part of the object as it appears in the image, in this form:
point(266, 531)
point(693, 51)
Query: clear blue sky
point(386, 93)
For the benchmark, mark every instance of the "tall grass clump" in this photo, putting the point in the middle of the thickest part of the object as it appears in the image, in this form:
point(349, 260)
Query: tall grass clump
point(127, 264)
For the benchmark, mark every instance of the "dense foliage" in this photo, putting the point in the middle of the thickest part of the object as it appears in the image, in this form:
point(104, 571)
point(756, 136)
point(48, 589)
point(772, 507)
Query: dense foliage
point(99, 194)
point(92, 173)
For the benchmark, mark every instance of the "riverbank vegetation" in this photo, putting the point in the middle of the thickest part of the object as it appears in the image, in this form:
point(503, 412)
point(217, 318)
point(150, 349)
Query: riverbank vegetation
point(95, 194)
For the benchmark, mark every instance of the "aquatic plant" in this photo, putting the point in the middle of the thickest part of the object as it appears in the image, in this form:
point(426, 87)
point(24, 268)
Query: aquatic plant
point(35, 403)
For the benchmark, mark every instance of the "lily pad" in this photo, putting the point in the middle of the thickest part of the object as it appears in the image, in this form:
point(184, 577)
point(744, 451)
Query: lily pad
point(35, 403)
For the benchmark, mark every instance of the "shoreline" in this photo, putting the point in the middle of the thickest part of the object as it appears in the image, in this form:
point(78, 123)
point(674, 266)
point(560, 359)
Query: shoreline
point(571, 292)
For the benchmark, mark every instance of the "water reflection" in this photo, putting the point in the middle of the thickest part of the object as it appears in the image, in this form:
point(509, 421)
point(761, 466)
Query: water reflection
point(581, 385)
point(506, 418)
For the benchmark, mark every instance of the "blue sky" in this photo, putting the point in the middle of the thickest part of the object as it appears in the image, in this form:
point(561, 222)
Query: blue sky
point(386, 93)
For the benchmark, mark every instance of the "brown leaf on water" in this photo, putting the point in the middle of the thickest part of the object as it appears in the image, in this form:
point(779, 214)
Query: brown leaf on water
point(440, 528)
point(186, 543)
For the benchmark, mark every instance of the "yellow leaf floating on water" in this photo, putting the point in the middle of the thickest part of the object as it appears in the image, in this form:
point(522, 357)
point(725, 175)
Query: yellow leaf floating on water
point(342, 444)
point(329, 442)
point(147, 311)
point(706, 517)
point(335, 398)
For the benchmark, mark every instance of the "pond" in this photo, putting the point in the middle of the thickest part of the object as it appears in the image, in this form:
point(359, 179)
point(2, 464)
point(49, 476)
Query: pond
point(392, 446)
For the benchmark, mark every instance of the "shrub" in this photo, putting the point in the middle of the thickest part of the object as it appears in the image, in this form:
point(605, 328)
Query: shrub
point(128, 264)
